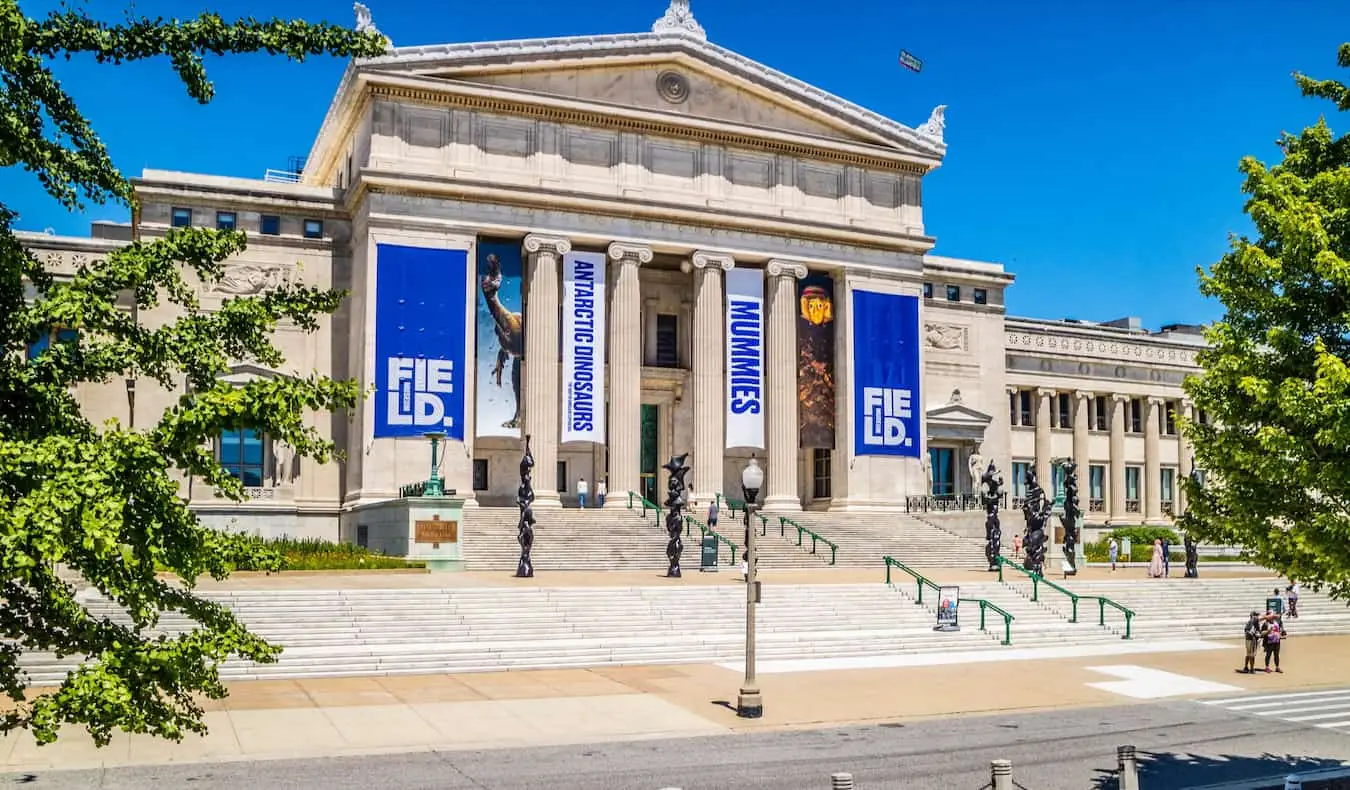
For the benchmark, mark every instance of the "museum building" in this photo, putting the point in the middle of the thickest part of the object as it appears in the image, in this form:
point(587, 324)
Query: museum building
point(639, 245)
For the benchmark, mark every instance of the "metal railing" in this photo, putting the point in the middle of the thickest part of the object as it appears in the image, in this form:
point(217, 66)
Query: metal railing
point(705, 530)
point(734, 506)
point(948, 503)
point(985, 606)
point(281, 176)
point(635, 500)
point(419, 488)
point(816, 538)
point(1102, 602)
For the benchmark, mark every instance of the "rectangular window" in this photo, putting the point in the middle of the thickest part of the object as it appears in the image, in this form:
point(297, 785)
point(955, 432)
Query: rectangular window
point(981, 296)
point(1132, 475)
point(1019, 479)
point(181, 218)
point(363, 535)
point(1169, 418)
point(1167, 479)
point(241, 453)
point(1096, 488)
point(270, 225)
point(667, 340)
point(225, 220)
point(1063, 411)
point(314, 229)
point(45, 340)
point(480, 474)
point(928, 290)
point(1136, 414)
point(1056, 482)
point(562, 476)
point(1024, 407)
point(1101, 418)
point(953, 293)
point(820, 473)
point(1201, 417)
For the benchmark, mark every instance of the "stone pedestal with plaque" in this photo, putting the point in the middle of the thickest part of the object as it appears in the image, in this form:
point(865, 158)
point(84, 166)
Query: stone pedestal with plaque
point(423, 528)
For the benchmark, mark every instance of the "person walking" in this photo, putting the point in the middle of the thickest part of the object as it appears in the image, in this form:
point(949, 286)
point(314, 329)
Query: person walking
point(1252, 637)
point(1113, 549)
point(1274, 635)
point(601, 491)
point(1291, 594)
point(1155, 564)
point(582, 491)
point(1017, 545)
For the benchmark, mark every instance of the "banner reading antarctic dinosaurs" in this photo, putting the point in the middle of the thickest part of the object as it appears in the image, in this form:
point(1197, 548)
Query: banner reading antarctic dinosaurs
point(815, 360)
point(501, 339)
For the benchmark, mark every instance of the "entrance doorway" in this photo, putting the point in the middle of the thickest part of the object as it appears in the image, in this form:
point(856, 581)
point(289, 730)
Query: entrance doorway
point(943, 461)
point(648, 455)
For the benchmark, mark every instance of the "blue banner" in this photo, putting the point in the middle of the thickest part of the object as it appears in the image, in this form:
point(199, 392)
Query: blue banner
point(886, 393)
point(420, 309)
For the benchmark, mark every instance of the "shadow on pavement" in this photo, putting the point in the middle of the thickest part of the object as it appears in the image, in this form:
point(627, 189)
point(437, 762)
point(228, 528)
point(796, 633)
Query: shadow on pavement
point(1183, 771)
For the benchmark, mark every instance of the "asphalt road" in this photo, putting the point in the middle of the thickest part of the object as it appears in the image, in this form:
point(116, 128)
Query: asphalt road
point(1183, 744)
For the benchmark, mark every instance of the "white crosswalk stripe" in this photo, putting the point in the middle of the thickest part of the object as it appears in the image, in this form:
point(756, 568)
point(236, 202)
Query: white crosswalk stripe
point(1328, 710)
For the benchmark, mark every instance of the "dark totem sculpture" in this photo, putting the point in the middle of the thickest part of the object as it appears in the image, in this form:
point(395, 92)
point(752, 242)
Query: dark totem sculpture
point(1070, 518)
point(1037, 511)
point(677, 498)
point(1192, 558)
point(991, 493)
point(525, 501)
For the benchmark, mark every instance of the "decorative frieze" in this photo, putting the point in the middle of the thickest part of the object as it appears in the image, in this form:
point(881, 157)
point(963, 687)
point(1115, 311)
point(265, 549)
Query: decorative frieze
point(947, 337)
point(248, 279)
point(1102, 348)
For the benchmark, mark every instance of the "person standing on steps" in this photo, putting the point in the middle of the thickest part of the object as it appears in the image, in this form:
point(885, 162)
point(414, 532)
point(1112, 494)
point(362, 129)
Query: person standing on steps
point(1167, 558)
point(1291, 594)
point(582, 491)
point(1252, 637)
point(601, 491)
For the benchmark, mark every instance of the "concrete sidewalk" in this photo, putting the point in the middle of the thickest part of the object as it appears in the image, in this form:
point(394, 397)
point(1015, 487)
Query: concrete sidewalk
point(316, 718)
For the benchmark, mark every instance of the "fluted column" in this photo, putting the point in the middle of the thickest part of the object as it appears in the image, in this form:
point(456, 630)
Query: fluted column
point(1117, 483)
point(649, 305)
point(1082, 455)
point(781, 419)
point(1043, 397)
point(541, 363)
point(1185, 459)
point(1152, 466)
point(625, 371)
point(709, 365)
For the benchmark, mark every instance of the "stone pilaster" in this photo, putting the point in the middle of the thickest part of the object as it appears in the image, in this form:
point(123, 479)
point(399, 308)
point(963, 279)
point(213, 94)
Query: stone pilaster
point(1117, 514)
point(541, 362)
point(1185, 459)
point(1043, 405)
point(650, 305)
point(781, 416)
point(625, 370)
point(1152, 464)
point(709, 368)
point(1082, 455)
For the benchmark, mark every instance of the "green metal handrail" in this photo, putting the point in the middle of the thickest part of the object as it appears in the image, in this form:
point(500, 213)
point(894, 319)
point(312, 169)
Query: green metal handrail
point(1007, 617)
point(815, 537)
point(1036, 581)
point(734, 506)
point(922, 580)
point(690, 521)
point(645, 505)
point(1102, 603)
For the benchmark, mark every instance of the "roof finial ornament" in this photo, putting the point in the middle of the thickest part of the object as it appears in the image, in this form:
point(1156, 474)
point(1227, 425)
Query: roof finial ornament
point(680, 20)
point(936, 123)
point(365, 23)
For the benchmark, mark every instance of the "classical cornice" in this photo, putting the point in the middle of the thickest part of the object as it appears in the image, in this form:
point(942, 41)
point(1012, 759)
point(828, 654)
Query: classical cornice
point(486, 192)
point(476, 57)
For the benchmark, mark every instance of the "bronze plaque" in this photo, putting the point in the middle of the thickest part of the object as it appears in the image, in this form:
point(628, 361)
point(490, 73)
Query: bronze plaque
point(436, 531)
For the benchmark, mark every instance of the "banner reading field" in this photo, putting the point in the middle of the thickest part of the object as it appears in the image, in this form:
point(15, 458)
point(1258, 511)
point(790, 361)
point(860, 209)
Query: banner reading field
point(501, 339)
point(420, 302)
point(815, 360)
point(745, 358)
point(583, 347)
point(886, 396)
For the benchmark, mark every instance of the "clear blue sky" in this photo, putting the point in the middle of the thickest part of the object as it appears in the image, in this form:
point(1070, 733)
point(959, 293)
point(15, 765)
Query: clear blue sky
point(1092, 146)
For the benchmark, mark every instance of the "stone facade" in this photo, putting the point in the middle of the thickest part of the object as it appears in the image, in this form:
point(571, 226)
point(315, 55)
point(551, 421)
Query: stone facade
point(681, 161)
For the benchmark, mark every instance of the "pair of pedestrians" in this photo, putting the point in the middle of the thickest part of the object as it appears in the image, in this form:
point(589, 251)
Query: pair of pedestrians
point(1263, 631)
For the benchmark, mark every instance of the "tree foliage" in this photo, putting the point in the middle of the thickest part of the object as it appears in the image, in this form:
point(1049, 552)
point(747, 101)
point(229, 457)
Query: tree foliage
point(103, 501)
point(1276, 380)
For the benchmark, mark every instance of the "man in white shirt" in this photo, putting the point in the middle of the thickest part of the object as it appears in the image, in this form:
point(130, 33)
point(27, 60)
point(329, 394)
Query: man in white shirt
point(601, 491)
point(582, 491)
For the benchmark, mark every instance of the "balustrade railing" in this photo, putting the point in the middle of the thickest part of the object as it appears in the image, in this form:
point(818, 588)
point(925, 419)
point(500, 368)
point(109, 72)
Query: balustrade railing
point(947, 503)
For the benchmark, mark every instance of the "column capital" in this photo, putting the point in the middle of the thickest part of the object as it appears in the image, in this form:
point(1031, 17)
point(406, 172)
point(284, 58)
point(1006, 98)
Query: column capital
point(1156, 400)
point(630, 253)
point(557, 245)
point(1085, 394)
point(1120, 397)
point(650, 300)
point(1046, 392)
point(720, 260)
point(777, 268)
point(1013, 389)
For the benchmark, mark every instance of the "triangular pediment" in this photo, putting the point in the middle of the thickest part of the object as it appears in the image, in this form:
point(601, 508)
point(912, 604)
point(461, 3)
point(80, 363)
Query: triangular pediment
point(244, 372)
point(626, 71)
point(958, 414)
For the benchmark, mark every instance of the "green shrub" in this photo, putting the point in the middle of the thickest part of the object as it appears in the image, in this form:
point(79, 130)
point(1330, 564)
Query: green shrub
point(1144, 536)
point(312, 554)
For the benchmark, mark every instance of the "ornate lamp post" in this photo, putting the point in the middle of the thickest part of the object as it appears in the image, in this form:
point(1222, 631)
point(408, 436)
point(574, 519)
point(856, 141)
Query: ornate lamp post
point(749, 704)
point(433, 486)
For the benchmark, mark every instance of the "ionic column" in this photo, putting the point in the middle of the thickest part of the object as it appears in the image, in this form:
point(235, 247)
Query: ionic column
point(709, 365)
point(648, 320)
point(625, 370)
point(1185, 459)
point(1043, 397)
point(541, 363)
point(1081, 454)
point(1152, 466)
point(781, 417)
point(1117, 493)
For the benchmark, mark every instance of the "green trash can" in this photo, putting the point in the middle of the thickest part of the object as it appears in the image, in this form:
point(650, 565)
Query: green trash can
point(708, 555)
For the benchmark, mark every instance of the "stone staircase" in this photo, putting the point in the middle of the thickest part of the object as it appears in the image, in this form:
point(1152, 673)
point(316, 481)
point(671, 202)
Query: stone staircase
point(864, 538)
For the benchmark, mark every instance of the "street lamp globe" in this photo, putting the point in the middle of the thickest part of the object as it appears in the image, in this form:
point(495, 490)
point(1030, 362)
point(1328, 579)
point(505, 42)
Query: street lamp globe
point(752, 479)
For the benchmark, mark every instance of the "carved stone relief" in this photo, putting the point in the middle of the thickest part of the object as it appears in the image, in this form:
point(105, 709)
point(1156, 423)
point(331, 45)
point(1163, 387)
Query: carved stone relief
point(248, 279)
point(947, 337)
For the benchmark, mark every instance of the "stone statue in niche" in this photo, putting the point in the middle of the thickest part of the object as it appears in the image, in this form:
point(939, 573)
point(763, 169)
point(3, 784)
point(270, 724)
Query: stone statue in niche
point(282, 458)
point(976, 467)
point(1036, 509)
point(677, 498)
point(524, 501)
point(991, 496)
